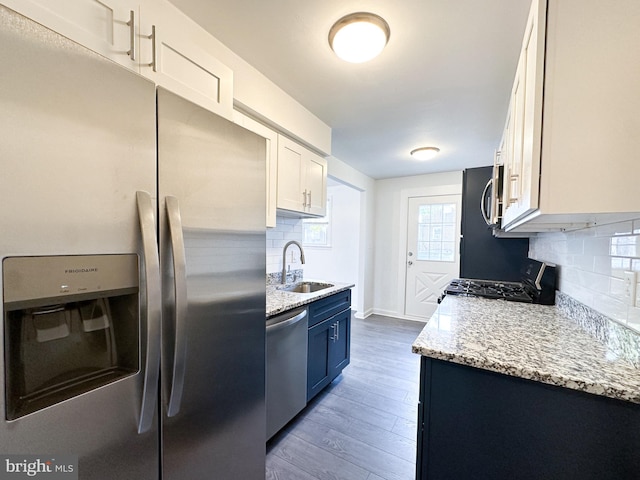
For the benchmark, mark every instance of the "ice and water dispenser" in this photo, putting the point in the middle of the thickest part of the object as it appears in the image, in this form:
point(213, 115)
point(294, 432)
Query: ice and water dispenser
point(70, 325)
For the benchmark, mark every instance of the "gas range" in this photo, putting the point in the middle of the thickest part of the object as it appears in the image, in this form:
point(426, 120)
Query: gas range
point(538, 285)
point(512, 291)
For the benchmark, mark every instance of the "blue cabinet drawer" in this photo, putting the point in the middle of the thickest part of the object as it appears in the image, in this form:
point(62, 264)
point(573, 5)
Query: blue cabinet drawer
point(327, 307)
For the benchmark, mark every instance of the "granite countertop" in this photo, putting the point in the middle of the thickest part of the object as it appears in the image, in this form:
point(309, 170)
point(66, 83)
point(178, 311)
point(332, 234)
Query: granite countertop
point(535, 342)
point(279, 301)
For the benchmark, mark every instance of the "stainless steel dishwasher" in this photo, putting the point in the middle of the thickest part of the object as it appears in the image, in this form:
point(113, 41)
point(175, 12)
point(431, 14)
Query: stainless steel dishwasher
point(287, 336)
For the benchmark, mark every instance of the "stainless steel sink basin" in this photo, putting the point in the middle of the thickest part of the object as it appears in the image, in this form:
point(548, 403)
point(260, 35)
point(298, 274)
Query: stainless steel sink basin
point(305, 287)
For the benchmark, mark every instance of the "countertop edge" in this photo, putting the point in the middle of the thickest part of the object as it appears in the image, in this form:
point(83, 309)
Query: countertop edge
point(280, 301)
point(481, 334)
point(547, 378)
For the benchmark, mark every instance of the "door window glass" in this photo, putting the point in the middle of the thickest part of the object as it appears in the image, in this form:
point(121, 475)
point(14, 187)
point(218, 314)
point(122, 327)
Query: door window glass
point(436, 232)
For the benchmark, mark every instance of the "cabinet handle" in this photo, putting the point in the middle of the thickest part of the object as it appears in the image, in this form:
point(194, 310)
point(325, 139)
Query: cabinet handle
point(132, 36)
point(304, 202)
point(153, 63)
point(337, 335)
point(514, 177)
point(309, 202)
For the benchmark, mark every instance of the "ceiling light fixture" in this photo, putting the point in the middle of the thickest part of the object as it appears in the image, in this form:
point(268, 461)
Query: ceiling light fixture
point(425, 153)
point(359, 37)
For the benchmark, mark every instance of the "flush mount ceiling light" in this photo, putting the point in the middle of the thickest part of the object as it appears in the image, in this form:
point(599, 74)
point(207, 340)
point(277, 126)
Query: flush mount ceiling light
point(424, 153)
point(359, 37)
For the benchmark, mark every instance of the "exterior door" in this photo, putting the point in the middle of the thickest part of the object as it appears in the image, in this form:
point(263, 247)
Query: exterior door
point(432, 256)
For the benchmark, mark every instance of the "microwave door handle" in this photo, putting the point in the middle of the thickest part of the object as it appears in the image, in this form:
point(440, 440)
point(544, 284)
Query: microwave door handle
point(180, 289)
point(483, 202)
point(153, 309)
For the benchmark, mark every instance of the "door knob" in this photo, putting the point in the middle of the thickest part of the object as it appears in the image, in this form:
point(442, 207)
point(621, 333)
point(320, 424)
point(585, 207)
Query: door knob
point(409, 263)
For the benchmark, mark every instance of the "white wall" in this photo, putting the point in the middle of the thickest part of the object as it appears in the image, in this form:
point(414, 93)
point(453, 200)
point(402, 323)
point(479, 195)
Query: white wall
point(592, 262)
point(367, 187)
point(391, 196)
point(255, 94)
point(340, 261)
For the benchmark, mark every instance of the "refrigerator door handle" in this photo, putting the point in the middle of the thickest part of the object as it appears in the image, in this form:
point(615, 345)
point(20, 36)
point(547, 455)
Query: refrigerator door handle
point(153, 309)
point(180, 288)
point(483, 202)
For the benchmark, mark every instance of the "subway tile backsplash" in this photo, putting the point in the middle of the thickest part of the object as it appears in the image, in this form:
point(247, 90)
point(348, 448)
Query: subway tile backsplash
point(286, 229)
point(592, 264)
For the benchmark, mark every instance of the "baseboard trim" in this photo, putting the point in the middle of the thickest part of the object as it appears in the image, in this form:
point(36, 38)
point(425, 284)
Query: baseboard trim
point(401, 316)
point(364, 315)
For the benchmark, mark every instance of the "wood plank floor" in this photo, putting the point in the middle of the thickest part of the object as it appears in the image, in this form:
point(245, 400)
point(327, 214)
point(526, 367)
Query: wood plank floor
point(363, 425)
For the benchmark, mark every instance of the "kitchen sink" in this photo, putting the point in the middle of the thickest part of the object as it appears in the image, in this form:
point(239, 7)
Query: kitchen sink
point(305, 287)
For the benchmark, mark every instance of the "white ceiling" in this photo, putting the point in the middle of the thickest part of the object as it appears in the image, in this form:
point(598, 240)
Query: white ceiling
point(443, 80)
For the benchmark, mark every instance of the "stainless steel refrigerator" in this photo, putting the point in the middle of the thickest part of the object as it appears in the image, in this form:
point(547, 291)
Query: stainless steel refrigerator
point(133, 270)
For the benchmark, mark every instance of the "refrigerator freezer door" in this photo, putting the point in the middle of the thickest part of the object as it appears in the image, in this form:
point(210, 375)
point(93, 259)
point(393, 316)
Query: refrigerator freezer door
point(213, 171)
point(78, 141)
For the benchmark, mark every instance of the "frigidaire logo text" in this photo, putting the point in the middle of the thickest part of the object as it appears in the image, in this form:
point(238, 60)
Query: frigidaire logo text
point(39, 466)
point(81, 270)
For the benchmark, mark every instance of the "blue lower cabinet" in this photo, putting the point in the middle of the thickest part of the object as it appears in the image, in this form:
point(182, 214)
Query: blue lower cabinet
point(329, 341)
point(475, 424)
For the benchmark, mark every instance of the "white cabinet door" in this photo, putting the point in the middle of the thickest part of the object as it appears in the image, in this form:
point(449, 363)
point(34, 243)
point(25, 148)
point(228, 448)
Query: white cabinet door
point(506, 152)
point(172, 58)
point(302, 179)
point(523, 167)
point(316, 184)
point(290, 191)
point(271, 159)
point(514, 166)
point(108, 27)
point(150, 37)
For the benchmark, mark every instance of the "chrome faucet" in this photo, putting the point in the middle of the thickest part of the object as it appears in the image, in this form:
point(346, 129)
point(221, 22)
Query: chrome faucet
point(284, 258)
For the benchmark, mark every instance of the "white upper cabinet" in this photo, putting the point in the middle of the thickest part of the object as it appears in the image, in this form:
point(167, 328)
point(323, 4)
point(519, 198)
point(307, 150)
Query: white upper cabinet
point(271, 159)
point(171, 57)
point(302, 180)
point(316, 184)
point(571, 156)
point(524, 119)
point(108, 27)
point(149, 36)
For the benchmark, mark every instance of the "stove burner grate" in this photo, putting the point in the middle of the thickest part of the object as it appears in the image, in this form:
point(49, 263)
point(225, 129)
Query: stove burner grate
point(511, 291)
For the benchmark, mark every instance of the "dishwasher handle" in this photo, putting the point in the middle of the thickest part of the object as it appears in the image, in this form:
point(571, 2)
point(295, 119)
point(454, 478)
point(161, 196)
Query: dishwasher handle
point(286, 322)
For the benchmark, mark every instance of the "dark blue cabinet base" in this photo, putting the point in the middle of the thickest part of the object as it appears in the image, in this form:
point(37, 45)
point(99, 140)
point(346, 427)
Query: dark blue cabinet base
point(329, 340)
point(475, 424)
